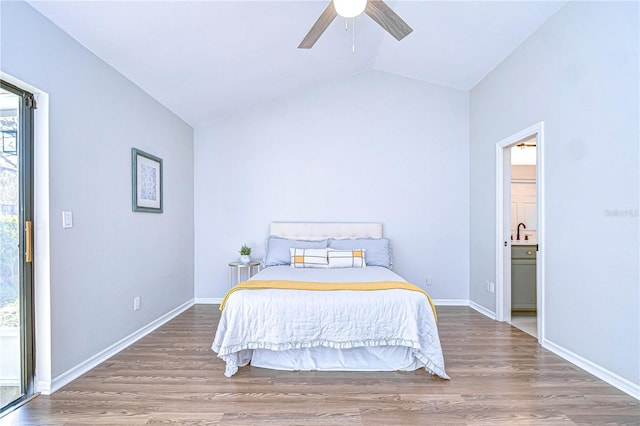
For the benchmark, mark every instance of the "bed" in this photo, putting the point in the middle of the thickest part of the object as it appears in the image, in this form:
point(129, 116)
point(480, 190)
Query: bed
point(327, 299)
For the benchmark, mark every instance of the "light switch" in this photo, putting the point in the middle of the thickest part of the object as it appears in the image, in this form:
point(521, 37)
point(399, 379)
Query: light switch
point(67, 219)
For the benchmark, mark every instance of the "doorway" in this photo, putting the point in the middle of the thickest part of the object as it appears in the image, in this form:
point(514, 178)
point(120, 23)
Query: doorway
point(520, 226)
point(16, 245)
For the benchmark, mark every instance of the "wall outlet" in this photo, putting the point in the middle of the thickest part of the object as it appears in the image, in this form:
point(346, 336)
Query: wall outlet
point(136, 303)
point(429, 280)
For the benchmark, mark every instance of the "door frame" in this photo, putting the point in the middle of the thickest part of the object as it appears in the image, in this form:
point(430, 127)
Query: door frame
point(42, 237)
point(26, 172)
point(503, 257)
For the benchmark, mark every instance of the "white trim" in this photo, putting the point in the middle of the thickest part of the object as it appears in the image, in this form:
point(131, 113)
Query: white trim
point(499, 232)
point(501, 314)
point(42, 244)
point(540, 235)
point(42, 232)
point(613, 379)
point(75, 372)
point(503, 292)
point(43, 387)
point(484, 311)
point(208, 300)
point(450, 302)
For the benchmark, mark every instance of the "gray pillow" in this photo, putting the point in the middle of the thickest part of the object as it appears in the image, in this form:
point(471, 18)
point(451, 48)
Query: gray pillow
point(277, 250)
point(378, 250)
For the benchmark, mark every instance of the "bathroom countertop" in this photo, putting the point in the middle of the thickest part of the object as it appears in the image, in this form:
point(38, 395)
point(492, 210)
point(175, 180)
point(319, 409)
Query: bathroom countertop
point(523, 243)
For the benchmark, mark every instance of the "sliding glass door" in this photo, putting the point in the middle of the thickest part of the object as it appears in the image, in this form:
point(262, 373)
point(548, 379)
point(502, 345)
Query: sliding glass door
point(16, 248)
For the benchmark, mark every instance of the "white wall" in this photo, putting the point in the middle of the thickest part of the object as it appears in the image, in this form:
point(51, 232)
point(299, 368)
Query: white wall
point(373, 147)
point(578, 74)
point(111, 254)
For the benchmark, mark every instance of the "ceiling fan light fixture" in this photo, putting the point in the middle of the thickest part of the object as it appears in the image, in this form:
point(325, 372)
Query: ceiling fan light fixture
point(349, 8)
point(377, 10)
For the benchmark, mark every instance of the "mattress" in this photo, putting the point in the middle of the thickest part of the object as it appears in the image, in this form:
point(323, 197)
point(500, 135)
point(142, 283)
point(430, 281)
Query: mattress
point(286, 329)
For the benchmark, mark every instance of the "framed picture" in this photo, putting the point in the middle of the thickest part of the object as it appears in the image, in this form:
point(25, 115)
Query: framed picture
point(146, 171)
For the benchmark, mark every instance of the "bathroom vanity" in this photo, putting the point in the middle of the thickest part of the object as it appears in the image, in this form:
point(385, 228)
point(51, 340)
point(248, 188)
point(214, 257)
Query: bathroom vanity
point(523, 276)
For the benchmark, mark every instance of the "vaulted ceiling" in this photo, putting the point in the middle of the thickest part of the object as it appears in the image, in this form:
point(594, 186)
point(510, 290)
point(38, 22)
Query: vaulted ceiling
point(205, 59)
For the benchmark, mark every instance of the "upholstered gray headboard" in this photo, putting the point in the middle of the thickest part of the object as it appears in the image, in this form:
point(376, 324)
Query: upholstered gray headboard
point(322, 230)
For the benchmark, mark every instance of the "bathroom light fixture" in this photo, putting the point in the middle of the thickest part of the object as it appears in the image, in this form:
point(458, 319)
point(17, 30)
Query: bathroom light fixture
point(349, 8)
point(526, 145)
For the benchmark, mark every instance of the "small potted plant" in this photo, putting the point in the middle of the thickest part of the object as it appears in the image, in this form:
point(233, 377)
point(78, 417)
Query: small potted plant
point(245, 254)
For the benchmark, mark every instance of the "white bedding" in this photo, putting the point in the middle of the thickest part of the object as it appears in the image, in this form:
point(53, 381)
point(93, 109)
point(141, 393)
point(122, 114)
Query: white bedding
point(361, 325)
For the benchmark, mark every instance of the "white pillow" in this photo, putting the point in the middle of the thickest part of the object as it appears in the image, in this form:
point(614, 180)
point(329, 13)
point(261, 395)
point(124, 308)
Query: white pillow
point(346, 258)
point(308, 258)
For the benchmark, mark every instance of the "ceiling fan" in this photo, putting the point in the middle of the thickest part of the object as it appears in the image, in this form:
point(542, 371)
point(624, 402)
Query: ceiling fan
point(376, 9)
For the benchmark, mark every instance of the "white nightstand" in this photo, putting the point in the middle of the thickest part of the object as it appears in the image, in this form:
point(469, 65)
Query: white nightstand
point(239, 267)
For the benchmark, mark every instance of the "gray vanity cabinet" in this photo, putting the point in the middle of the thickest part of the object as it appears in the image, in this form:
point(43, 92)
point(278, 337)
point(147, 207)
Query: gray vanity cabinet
point(523, 278)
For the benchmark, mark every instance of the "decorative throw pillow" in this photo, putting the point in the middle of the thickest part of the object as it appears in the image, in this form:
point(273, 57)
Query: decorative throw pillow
point(277, 249)
point(346, 258)
point(308, 258)
point(378, 250)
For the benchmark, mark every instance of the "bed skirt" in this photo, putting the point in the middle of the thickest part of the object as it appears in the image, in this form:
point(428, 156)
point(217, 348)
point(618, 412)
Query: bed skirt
point(367, 358)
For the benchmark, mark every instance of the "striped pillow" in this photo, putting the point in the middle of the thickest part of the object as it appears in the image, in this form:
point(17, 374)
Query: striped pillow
point(308, 258)
point(346, 258)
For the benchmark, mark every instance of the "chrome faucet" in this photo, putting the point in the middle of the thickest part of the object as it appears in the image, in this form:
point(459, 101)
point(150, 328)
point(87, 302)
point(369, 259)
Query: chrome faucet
point(518, 233)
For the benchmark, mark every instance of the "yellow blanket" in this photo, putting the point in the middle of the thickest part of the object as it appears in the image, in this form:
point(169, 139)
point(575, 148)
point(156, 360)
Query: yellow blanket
point(326, 286)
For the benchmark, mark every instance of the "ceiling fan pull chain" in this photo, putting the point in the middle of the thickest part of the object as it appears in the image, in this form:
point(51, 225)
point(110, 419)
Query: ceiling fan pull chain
point(346, 24)
point(353, 38)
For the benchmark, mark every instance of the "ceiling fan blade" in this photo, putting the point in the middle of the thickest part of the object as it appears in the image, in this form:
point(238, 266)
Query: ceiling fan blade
point(326, 17)
point(388, 19)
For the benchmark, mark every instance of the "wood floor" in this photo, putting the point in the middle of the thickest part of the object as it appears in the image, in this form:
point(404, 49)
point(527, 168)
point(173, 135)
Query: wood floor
point(499, 376)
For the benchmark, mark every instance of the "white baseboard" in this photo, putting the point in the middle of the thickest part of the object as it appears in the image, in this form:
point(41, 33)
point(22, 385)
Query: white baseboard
point(57, 382)
point(43, 386)
point(208, 300)
point(450, 302)
point(484, 311)
point(613, 379)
